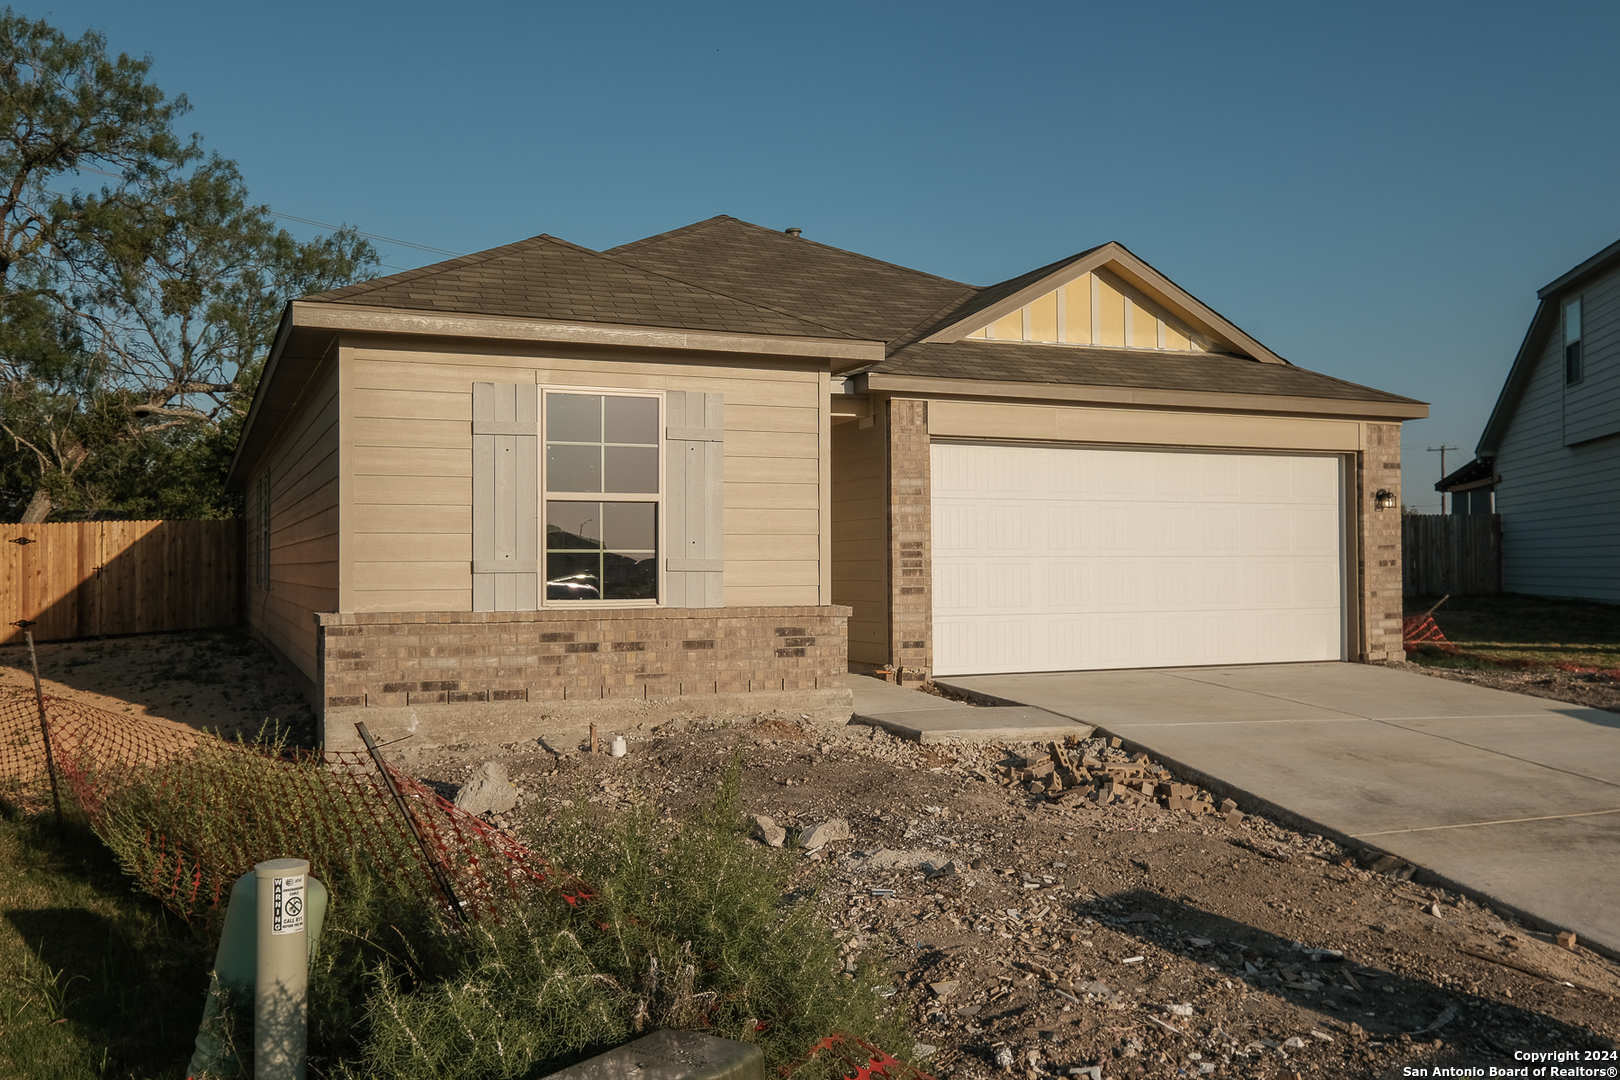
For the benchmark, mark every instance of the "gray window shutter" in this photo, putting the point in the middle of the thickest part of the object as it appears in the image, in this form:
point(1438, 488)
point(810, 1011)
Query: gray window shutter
point(694, 498)
point(506, 497)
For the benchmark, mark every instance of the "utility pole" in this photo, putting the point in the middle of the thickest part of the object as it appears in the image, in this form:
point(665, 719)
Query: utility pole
point(1441, 449)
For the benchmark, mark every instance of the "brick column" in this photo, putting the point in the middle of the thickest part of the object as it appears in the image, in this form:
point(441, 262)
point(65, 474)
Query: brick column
point(1379, 570)
point(911, 597)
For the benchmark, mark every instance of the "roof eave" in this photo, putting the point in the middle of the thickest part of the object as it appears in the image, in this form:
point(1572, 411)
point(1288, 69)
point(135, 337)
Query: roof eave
point(1518, 378)
point(391, 320)
point(262, 412)
point(1595, 265)
point(1380, 410)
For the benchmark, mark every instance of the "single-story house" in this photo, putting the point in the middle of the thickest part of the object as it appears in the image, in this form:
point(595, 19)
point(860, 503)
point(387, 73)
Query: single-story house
point(1548, 460)
point(542, 483)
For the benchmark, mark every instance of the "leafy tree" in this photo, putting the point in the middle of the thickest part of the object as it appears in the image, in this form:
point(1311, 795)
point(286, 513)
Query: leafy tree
point(133, 319)
point(67, 105)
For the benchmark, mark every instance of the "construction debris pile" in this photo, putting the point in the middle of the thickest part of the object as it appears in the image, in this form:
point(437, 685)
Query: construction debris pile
point(1101, 773)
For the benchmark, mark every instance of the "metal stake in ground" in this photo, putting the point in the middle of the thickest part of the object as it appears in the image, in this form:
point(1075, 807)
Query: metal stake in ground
point(45, 732)
point(440, 878)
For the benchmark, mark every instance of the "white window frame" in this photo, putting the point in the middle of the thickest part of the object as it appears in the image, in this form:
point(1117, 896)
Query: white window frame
point(1578, 367)
point(659, 499)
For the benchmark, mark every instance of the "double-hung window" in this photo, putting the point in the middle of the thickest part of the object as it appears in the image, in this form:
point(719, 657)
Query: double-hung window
point(584, 496)
point(602, 470)
point(1573, 366)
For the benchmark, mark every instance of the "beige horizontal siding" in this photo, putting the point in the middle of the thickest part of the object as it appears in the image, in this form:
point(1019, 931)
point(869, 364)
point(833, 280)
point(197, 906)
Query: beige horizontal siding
point(413, 600)
point(303, 462)
point(409, 510)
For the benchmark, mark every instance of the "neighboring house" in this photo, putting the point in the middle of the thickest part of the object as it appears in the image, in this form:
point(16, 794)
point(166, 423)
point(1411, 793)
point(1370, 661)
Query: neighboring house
point(719, 466)
point(1549, 459)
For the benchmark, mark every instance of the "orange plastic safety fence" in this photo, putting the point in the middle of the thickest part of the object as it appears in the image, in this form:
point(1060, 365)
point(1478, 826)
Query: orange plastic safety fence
point(863, 1061)
point(1423, 630)
point(188, 813)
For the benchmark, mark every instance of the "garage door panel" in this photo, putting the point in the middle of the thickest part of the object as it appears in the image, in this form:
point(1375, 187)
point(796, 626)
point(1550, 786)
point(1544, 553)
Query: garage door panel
point(1118, 558)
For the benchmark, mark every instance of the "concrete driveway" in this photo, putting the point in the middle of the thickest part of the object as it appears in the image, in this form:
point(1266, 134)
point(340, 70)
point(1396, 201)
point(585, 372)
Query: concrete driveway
point(1511, 797)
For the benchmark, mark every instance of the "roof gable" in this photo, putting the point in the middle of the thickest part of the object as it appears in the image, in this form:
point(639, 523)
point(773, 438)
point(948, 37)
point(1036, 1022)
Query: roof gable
point(1105, 296)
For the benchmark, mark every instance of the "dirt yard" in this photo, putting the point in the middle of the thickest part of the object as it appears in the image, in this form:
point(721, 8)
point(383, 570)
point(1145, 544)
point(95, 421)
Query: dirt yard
point(210, 680)
point(1045, 940)
point(1025, 938)
point(1593, 689)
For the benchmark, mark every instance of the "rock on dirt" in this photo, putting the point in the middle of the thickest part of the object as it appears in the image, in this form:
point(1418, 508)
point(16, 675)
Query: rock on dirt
point(768, 832)
point(488, 792)
point(828, 831)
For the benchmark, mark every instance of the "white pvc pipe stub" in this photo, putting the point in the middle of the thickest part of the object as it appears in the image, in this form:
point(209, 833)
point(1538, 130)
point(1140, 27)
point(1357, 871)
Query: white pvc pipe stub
point(281, 982)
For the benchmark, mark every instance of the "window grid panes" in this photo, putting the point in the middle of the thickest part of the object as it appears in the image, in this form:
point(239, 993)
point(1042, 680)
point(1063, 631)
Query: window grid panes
point(603, 548)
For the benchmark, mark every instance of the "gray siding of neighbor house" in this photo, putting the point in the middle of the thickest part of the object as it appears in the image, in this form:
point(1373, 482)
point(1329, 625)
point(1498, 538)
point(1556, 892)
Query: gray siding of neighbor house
point(1559, 460)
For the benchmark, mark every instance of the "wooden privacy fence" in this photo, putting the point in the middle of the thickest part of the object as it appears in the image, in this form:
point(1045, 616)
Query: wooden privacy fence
point(1460, 554)
point(89, 578)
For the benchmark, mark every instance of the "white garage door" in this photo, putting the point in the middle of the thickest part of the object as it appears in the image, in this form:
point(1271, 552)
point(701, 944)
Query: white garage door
point(1063, 558)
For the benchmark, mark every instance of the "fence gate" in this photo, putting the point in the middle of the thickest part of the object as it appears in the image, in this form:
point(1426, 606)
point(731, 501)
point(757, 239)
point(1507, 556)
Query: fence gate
point(1460, 554)
point(89, 578)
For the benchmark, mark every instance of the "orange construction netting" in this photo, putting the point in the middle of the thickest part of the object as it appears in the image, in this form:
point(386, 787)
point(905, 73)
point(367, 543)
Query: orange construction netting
point(188, 813)
point(1419, 630)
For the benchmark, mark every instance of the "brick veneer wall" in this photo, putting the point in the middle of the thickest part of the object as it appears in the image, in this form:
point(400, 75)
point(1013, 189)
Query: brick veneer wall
point(1379, 569)
point(911, 553)
point(396, 658)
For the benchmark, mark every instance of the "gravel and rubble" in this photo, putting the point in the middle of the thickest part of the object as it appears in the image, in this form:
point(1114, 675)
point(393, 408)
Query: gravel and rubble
point(1049, 933)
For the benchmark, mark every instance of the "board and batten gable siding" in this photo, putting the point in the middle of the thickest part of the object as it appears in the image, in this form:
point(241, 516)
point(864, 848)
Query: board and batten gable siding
point(1592, 406)
point(860, 536)
point(1560, 503)
point(408, 510)
point(303, 464)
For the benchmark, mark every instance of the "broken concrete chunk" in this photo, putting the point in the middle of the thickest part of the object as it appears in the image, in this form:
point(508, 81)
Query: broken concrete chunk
point(767, 831)
point(488, 792)
point(828, 831)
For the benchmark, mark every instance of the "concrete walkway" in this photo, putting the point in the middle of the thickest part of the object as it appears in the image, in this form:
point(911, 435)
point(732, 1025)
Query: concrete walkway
point(1513, 798)
point(912, 714)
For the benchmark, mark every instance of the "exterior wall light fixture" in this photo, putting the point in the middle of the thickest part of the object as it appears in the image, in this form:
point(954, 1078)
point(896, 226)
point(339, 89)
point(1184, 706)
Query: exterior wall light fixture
point(1384, 499)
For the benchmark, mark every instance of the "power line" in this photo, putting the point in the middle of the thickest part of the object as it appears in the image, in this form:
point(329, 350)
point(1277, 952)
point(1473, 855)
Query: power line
point(311, 221)
point(368, 236)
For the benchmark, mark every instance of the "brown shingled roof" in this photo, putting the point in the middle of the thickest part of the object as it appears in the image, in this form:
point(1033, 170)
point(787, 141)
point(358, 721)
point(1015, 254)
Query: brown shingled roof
point(547, 278)
point(728, 275)
point(865, 297)
point(1081, 365)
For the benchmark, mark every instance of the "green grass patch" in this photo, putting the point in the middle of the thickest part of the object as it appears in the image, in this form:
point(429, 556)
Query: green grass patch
point(1521, 631)
point(693, 926)
point(98, 980)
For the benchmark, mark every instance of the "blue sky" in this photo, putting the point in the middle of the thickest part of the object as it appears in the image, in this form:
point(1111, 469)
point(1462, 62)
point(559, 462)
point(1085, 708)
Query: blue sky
point(1375, 190)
